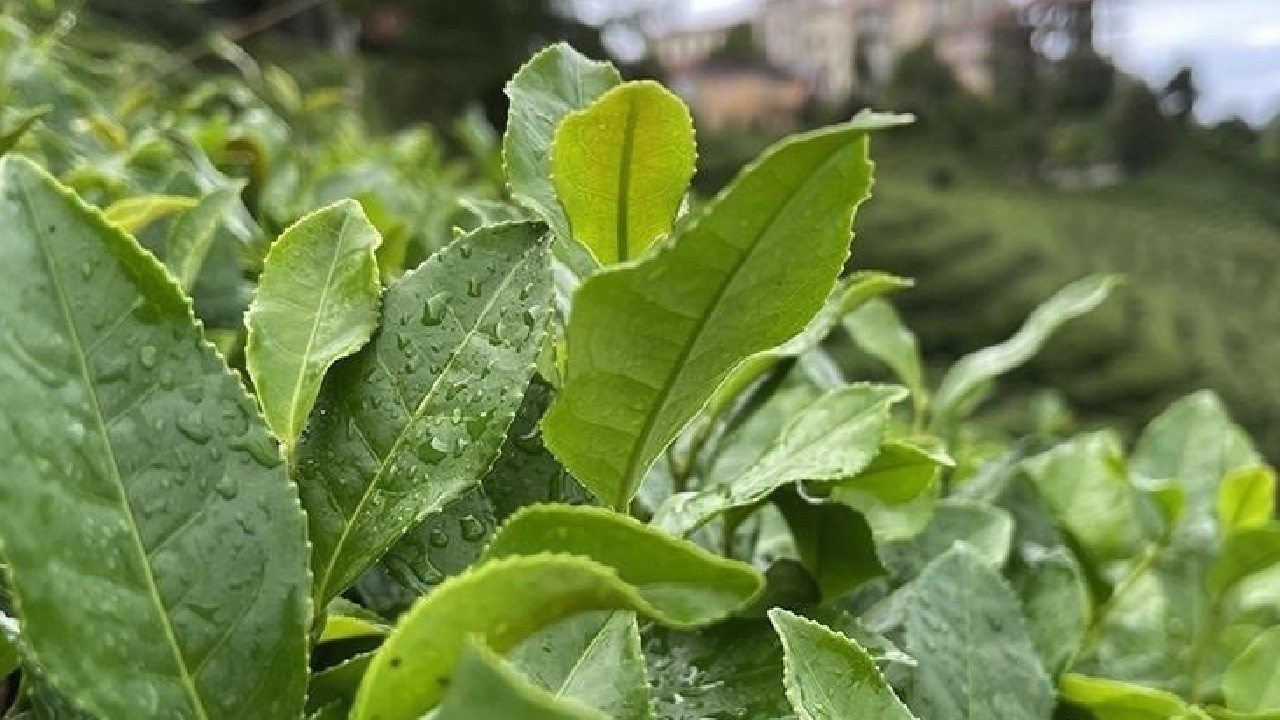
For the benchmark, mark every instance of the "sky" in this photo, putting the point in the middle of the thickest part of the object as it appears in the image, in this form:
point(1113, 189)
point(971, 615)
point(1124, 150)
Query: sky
point(1233, 46)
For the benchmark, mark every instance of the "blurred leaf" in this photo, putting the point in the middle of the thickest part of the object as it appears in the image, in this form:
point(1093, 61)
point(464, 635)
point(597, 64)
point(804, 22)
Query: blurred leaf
point(135, 213)
point(1247, 498)
point(1252, 682)
point(879, 332)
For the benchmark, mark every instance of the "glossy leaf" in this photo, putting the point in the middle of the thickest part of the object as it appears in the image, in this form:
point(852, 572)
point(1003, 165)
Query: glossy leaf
point(834, 438)
point(1252, 682)
point(896, 493)
point(1247, 498)
point(502, 602)
point(733, 668)
point(135, 213)
point(487, 688)
point(593, 658)
point(965, 382)
point(1055, 596)
point(416, 417)
point(649, 342)
point(664, 570)
point(143, 496)
point(555, 82)
point(446, 543)
point(1115, 700)
point(976, 662)
point(621, 167)
point(317, 301)
point(848, 295)
point(879, 332)
point(830, 677)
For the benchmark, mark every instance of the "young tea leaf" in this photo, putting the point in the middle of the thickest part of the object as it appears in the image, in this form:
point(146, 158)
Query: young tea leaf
point(135, 213)
point(879, 332)
point(317, 302)
point(416, 417)
point(593, 658)
point(504, 601)
point(143, 495)
point(830, 677)
point(1244, 552)
point(485, 687)
point(660, 567)
point(649, 342)
point(552, 84)
point(1115, 700)
point(621, 167)
point(1247, 498)
point(965, 381)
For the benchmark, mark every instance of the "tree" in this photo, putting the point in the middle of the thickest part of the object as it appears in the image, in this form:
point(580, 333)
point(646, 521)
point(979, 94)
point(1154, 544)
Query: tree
point(1085, 82)
point(1139, 132)
point(1180, 95)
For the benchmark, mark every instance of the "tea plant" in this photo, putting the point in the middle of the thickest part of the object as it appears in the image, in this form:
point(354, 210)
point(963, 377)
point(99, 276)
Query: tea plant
point(590, 458)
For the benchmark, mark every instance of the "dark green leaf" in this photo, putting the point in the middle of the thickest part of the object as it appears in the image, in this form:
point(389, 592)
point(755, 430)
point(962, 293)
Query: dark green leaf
point(144, 497)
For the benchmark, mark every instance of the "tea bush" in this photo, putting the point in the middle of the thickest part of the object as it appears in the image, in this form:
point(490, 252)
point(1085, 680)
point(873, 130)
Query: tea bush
point(589, 457)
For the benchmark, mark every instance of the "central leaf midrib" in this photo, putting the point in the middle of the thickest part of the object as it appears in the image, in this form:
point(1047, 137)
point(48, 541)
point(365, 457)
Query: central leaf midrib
point(152, 590)
point(416, 416)
point(633, 458)
point(315, 327)
point(622, 206)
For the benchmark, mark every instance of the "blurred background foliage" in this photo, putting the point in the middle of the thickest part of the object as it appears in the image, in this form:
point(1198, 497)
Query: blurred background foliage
point(260, 110)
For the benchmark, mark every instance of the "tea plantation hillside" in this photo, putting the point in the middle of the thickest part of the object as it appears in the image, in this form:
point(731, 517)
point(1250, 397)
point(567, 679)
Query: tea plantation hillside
point(1198, 241)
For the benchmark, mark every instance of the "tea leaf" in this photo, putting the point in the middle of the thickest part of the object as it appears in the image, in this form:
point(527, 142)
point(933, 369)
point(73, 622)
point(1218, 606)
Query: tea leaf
point(621, 167)
point(417, 416)
point(1247, 498)
point(143, 496)
point(879, 332)
point(135, 213)
point(1115, 700)
point(1252, 681)
point(555, 82)
point(649, 342)
point(485, 687)
point(830, 677)
point(317, 301)
point(1244, 552)
point(976, 662)
point(965, 382)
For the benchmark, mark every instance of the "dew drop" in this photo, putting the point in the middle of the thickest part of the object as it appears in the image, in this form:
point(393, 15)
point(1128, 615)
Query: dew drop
point(472, 528)
point(433, 311)
point(438, 538)
point(148, 356)
point(474, 288)
point(226, 487)
point(192, 426)
point(86, 270)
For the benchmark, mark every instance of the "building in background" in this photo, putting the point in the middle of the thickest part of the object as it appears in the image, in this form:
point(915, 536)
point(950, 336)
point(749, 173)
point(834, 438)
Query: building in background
point(834, 49)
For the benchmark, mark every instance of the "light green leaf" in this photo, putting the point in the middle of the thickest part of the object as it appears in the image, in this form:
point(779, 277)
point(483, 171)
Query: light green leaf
point(879, 332)
point(317, 301)
point(976, 662)
point(649, 342)
point(593, 658)
point(834, 542)
point(1085, 485)
point(1244, 552)
point(692, 585)
point(555, 82)
point(1114, 700)
point(135, 213)
point(1252, 681)
point(896, 492)
point(1196, 443)
point(848, 295)
point(487, 688)
point(416, 417)
point(834, 438)
point(1247, 498)
point(19, 124)
point(192, 233)
point(143, 496)
point(966, 381)
point(621, 167)
point(830, 677)
point(502, 602)
point(986, 530)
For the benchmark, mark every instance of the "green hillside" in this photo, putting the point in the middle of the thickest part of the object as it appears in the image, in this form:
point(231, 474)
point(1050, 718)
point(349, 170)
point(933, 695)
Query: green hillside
point(1198, 239)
